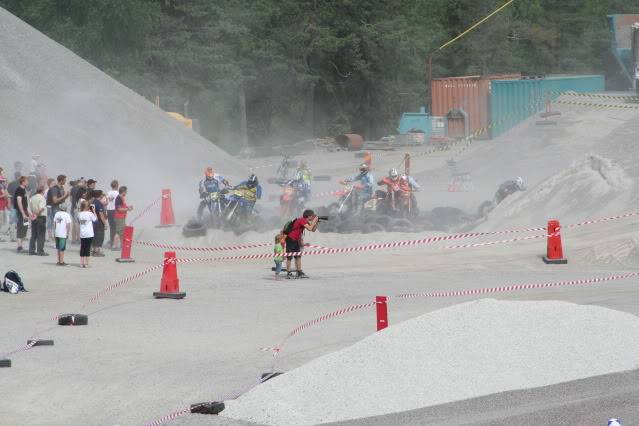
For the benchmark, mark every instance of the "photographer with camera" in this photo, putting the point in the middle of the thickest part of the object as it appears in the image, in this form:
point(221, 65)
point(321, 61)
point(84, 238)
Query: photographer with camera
point(294, 231)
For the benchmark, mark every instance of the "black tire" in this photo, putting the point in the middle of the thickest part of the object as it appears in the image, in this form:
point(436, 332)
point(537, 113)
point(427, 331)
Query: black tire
point(383, 220)
point(349, 225)
point(194, 228)
point(373, 227)
point(485, 208)
point(325, 228)
point(322, 178)
point(401, 225)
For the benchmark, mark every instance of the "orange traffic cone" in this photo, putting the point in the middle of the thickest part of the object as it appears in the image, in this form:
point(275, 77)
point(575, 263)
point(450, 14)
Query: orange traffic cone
point(127, 242)
point(170, 284)
point(167, 218)
point(554, 251)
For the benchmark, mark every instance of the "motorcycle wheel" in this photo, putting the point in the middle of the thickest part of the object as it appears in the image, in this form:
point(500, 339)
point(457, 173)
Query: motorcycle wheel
point(373, 227)
point(401, 225)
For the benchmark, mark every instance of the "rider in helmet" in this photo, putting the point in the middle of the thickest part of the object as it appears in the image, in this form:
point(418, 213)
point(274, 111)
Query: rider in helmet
point(251, 191)
point(366, 180)
point(302, 182)
point(211, 182)
point(508, 188)
point(395, 186)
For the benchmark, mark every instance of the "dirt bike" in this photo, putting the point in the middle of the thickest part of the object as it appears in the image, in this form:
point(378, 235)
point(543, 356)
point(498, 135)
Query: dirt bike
point(209, 212)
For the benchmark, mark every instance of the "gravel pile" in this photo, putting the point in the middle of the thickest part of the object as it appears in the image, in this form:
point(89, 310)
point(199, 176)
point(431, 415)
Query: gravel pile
point(465, 351)
point(83, 122)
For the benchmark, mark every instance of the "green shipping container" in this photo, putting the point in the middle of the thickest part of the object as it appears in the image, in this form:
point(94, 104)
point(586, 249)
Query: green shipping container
point(513, 101)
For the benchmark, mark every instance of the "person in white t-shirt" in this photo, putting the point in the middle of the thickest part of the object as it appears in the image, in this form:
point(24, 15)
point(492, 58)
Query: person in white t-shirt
point(61, 229)
point(85, 218)
point(110, 208)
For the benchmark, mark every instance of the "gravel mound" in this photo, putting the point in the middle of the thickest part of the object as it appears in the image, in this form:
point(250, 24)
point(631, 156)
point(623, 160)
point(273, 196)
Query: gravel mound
point(84, 123)
point(465, 351)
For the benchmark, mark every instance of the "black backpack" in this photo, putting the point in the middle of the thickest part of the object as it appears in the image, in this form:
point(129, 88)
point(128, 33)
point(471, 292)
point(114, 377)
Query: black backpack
point(288, 226)
point(12, 282)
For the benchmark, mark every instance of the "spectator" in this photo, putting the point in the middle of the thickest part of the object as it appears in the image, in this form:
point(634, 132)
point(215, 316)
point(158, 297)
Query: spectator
point(38, 207)
point(13, 214)
point(86, 217)
point(4, 202)
point(21, 207)
point(61, 230)
point(121, 209)
point(111, 196)
point(59, 194)
point(280, 241)
point(295, 241)
point(78, 191)
point(100, 224)
point(47, 196)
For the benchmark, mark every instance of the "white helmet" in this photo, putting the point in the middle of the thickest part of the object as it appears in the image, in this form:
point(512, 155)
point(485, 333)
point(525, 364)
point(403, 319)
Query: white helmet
point(520, 183)
point(393, 173)
point(363, 167)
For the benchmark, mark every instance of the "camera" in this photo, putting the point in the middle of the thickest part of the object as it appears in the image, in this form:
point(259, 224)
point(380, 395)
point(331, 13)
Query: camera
point(323, 218)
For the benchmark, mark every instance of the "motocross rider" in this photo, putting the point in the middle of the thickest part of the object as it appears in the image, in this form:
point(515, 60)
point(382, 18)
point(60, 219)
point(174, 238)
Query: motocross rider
point(250, 191)
point(211, 183)
point(366, 180)
point(302, 181)
point(396, 185)
point(508, 188)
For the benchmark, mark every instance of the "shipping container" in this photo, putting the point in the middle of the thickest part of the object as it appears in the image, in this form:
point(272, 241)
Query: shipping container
point(513, 101)
point(470, 94)
point(621, 42)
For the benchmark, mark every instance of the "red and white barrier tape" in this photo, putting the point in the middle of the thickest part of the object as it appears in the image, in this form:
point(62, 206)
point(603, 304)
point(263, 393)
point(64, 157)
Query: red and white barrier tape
point(214, 249)
point(147, 209)
point(366, 247)
point(120, 283)
point(170, 417)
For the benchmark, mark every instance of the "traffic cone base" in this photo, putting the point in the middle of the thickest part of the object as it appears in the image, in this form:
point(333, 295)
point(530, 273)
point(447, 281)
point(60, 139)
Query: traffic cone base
point(554, 261)
point(163, 295)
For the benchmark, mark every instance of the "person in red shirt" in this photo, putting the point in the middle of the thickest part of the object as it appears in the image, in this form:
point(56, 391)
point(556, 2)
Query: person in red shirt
point(295, 241)
point(119, 216)
point(397, 187)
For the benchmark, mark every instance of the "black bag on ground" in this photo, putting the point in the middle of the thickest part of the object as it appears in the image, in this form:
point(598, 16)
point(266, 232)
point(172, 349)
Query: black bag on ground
point(12, 283)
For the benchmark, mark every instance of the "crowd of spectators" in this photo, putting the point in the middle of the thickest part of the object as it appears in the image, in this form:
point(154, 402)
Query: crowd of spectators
point(61, 212)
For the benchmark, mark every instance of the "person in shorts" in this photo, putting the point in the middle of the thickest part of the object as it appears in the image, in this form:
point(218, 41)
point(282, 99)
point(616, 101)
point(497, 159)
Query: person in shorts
point(61, 230)
point(20, 205)
point(86, 217)
point(110, 208)
point(278, 249)
point(295, 241)
point(121, 209)
point(99, 225)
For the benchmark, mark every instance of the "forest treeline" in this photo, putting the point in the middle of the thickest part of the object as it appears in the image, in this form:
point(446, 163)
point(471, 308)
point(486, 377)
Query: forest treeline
point(303, 68)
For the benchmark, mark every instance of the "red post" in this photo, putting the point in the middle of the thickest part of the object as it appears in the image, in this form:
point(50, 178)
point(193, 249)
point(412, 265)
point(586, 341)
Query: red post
point(127, 242)
point(166, 213)
point(554, 249)
point(382, 312)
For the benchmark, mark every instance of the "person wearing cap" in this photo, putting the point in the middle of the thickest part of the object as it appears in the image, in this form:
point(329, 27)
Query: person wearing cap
point(364, 184)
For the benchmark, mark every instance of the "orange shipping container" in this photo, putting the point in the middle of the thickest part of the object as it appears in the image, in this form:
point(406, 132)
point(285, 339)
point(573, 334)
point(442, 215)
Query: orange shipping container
point(470, 93)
